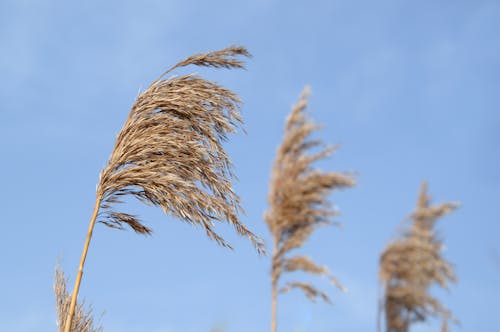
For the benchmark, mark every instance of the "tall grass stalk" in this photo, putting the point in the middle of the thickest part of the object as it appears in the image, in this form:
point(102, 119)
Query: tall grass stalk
point(298, 203)
point(83, 320)
point(411, 265)
point(169, 154)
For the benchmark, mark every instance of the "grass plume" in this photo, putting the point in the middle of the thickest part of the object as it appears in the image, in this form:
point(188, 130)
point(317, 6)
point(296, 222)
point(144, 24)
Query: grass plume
point(298, 202)
point(410, 265)
point(83, 320)
point(169, 154)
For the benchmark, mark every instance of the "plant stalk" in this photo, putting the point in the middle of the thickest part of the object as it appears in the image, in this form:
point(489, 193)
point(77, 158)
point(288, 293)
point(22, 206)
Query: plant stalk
point(274, 285)
point(273, 309)
point(76, 288)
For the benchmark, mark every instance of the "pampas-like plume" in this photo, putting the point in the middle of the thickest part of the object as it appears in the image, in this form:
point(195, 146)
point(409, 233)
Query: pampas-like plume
point(83, 320)
point(411, 265)
point(298, 202)
point(169, 154)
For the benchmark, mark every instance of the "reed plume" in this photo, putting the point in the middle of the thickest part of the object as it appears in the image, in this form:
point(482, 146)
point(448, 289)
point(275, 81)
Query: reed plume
point(298, 203)
point(169, 154)
point(410, 265)
point(83, 320)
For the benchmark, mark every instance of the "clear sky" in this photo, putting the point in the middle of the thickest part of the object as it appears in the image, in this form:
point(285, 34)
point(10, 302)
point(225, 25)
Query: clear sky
point(410, 89)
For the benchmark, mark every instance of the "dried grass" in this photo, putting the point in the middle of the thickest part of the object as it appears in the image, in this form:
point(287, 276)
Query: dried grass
point(412, 264)
point(83, 320)
point(169, 154)
point(298, 202)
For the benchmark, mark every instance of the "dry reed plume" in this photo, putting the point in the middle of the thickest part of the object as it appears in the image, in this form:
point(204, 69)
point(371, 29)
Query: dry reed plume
point(169, 154)
point(412, 264)
point(298, 203)
point(83, 320)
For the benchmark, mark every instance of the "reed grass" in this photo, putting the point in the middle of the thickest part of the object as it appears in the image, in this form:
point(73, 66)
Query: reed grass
point(169, 154)
point(411, 265)
point(83, 320)
point(298, 203)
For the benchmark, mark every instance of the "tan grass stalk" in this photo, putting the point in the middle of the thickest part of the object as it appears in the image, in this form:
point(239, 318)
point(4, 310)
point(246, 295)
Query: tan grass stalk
point(169, 154)
point(83, 320)
point(298, 203)
point(410, 265)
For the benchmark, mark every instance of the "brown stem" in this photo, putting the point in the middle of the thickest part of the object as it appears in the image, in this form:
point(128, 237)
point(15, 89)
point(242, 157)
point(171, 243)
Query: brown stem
point(82, 262)
point(273, 309)
point(274, 285)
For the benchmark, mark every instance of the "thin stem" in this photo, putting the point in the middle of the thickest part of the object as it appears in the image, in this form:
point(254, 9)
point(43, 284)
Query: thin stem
point(274, 285)
point(273, 309)
point(82, 263)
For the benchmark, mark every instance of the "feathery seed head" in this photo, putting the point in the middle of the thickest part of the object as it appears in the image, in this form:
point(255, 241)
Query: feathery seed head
point(298, 198)
point(169, 152)
point(83, 320)
point(410, 265)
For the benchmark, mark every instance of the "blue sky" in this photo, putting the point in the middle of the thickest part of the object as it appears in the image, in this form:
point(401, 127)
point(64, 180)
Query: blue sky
point(411, 91)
